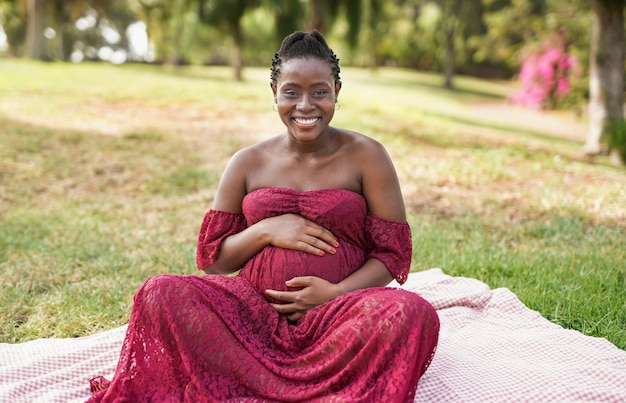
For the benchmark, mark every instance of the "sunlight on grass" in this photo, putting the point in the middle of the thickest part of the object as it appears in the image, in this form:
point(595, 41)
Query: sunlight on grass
point(106, 172)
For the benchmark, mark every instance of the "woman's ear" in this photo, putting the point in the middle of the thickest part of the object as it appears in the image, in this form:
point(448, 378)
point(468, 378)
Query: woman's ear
point(273, 86)
point(337, 89)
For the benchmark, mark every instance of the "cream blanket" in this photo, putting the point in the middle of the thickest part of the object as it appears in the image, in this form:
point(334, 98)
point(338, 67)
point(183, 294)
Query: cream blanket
point(492, 348)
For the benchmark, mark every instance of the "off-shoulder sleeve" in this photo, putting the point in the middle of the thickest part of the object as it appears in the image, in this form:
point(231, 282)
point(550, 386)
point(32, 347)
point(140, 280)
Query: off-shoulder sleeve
point(216, 226)
point(390, 242)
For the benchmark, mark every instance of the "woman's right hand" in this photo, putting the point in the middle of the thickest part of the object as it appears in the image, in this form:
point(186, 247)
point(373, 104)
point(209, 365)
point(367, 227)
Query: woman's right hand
point(291, 231)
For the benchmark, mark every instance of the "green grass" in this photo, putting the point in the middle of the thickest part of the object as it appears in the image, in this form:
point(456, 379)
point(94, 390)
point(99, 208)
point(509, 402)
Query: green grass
point(106, 172)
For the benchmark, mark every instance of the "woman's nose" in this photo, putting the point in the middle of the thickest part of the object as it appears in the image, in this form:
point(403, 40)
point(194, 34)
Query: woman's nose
point(304, 103)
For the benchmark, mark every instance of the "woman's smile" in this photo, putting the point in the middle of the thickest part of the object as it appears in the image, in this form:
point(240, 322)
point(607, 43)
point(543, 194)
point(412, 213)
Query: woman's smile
point(306, 122)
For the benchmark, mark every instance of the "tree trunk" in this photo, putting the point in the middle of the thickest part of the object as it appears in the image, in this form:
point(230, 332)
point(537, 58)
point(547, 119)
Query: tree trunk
point(449, 61)
point(60, 18)
point(35, 41)
point(450, 24)
point(179, 32)
point(375, 15)
point(238, 58)
point(318, 20)
point(606, 72)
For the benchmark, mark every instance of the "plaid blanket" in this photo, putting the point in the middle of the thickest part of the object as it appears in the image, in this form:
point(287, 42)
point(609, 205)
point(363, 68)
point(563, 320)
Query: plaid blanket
point(492, 348)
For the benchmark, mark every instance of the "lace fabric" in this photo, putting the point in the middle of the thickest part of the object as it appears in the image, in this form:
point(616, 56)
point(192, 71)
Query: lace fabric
point(215, 338)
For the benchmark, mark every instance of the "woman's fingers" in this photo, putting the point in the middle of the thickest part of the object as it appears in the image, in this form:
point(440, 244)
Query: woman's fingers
point(285, 296)
point(315, 246)
point(294, 317)
point(314, 291)
point(325, 236)
point(321, 239)
point(289, 310)
point(294, 297)
point(296, 232)
point(302, 281)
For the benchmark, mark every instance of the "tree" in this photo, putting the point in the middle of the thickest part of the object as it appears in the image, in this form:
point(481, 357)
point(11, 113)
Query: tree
point(227, 15)
point(13, 19)
point(182, 8)
point(323, 13)
point(318, 18)
point(359, 15)
point(61, 16)
point(35, 40)
point(158, 15)
point(288, 17)
point(64, 14)
point(450, 23)
point(511, 25)
point(376, 18)
point(606, 77)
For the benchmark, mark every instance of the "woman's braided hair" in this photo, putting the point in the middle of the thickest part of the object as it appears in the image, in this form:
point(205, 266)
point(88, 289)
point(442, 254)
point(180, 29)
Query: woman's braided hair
point(302, 45)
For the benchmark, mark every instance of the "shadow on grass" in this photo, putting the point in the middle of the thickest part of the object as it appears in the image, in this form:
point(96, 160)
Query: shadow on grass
point(468, 135)
point(221, 74)
point(508, 130)
point(433, 83)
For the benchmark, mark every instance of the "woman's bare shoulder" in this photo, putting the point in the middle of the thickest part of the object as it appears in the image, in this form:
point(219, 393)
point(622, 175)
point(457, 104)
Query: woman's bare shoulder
point(233, 183)
point(255, 153)
point(361, 145)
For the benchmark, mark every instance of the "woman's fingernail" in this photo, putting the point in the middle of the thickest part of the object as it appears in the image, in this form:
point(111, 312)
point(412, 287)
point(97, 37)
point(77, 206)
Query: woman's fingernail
point(333, 250)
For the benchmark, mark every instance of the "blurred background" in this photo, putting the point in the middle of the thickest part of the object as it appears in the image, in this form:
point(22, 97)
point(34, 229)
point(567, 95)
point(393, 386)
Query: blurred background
point(547, 44)
point(488, 38)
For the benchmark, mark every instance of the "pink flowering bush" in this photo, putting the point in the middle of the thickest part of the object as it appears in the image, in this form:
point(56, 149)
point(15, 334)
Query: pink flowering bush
point(544, 74)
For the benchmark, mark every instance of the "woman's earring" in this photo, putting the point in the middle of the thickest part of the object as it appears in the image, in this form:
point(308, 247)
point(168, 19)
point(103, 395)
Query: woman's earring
point(275, 107)
point(337, 106)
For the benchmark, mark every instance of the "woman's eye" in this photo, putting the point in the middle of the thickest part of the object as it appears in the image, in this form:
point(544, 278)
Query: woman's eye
point(290, 93)
point(321, 93)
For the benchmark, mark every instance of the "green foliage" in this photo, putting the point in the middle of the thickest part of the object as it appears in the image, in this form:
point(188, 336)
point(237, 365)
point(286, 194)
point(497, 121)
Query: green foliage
point(353, 16)
point(490, 37)
point(223, 12)
point(288, 17)
point(261, 41)
point(509, 27)
point(488, 33)
point(411, 36)
point(13, 21)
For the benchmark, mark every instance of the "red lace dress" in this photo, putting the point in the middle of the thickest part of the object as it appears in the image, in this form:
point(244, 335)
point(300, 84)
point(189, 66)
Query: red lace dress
point(216, 338)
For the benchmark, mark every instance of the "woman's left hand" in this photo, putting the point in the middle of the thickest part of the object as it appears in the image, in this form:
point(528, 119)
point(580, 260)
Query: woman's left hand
point(315, 291)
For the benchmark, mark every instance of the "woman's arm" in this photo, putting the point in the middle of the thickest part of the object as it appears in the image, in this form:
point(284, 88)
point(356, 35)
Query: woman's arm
point(381, 187)
point(382, 193)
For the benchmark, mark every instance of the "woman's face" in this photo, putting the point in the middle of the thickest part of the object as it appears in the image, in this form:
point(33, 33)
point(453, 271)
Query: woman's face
point(305, 92)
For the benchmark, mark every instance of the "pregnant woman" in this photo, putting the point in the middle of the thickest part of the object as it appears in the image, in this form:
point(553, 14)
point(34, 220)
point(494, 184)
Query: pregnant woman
point(314, 223)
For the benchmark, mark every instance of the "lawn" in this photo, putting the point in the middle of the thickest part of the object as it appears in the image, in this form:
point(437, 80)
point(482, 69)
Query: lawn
point(106, 172)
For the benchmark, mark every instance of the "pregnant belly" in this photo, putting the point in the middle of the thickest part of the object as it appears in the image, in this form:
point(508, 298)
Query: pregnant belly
point(271, 267)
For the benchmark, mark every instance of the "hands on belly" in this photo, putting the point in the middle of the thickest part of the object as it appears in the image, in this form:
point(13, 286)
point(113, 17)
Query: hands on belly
point(315, 291)
point(292, 231)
